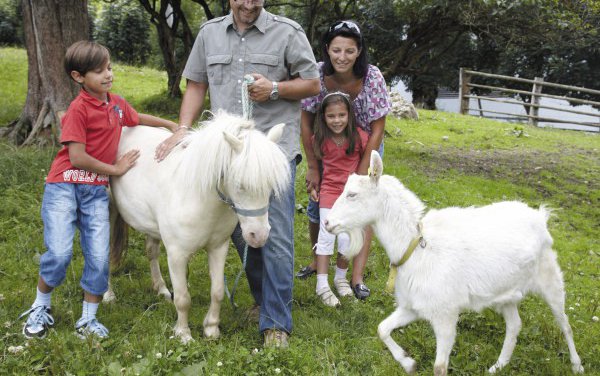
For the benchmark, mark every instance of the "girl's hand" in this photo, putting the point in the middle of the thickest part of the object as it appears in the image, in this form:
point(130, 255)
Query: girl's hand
point(314, 195)
point(126, 162)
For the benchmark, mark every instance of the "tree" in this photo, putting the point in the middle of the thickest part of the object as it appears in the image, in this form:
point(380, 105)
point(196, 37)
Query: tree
point(49, 27)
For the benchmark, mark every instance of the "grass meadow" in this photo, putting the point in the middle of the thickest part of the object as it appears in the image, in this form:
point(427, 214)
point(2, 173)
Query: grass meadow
point(446, 159)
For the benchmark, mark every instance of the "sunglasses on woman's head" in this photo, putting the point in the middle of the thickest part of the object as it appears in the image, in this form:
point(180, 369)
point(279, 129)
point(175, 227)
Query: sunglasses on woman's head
point(347, 24)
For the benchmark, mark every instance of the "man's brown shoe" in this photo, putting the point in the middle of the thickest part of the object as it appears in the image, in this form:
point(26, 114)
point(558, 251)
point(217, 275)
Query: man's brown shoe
point(276, 338)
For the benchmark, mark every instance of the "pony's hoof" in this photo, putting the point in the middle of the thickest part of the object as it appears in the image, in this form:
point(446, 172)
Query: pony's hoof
point(165, 293)
point(496, 367)
point(109, 297)
point(184, 335)
point(212, 332)
point(409, 365)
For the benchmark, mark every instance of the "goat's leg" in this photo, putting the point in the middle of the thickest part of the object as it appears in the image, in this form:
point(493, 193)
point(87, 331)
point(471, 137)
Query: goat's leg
point(551, 288)
point(158, 283)
point(109, 296)
point(216, 266)
point(444, 327)
point(400, 317)
point(513, 327)
point(178, 263)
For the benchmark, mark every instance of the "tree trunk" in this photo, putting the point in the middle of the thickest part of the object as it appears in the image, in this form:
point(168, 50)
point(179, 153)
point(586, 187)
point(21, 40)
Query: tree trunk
point(49, 27)
point(171, 26)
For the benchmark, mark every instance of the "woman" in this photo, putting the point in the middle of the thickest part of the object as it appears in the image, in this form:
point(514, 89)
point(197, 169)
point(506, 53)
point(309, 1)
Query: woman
point(345, 68)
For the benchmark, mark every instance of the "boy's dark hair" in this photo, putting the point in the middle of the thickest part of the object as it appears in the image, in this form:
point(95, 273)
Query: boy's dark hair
point(346, 29)
point(321, 131)
point(85, 56)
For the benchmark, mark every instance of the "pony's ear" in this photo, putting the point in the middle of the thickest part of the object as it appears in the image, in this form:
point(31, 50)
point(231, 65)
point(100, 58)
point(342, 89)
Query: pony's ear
point(376, 168)
point(275, 132)
point(236, 143)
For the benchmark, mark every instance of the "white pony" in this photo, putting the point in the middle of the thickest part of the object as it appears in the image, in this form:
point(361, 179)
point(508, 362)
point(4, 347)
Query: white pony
point(453, 259)
point(195, 197)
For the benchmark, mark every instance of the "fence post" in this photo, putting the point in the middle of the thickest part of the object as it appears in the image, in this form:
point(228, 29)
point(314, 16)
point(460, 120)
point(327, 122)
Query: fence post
point(464, 90)
point(535, 101)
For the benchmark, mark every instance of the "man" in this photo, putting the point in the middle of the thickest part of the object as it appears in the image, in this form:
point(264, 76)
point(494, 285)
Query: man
point(276, 52)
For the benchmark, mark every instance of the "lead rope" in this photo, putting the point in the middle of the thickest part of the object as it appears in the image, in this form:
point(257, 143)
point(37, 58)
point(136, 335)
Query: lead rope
point(247, 113)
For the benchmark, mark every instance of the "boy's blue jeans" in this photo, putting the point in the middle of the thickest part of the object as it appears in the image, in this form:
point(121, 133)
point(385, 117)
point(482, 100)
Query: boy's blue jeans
point(270, 269)
point(67, 206)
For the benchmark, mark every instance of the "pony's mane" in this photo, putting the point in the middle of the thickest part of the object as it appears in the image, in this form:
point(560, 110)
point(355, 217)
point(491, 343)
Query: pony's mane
point(208, 157)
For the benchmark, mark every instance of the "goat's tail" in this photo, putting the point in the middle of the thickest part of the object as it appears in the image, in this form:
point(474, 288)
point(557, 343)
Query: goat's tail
point(119, 237)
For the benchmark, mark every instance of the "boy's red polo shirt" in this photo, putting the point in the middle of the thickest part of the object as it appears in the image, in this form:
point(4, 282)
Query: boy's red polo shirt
point(98, 126)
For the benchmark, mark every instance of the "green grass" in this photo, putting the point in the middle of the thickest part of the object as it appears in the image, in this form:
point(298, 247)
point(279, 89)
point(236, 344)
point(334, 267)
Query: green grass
point(481, 161)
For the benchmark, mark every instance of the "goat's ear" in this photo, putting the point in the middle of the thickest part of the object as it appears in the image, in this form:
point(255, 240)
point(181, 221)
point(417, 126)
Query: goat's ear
point(376, 168)
point(236, 143)
point(275, 132)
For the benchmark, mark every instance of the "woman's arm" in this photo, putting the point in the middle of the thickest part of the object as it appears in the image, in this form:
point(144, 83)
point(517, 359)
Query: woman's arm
point(377, 131)
point(313, 176)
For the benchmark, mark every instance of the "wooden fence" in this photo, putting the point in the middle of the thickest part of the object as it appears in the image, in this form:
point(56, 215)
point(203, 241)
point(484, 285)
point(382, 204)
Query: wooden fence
point(535, 95)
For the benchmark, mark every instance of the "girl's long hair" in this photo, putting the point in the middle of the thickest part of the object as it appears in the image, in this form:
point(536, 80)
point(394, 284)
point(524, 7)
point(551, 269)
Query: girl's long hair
point(321, 131)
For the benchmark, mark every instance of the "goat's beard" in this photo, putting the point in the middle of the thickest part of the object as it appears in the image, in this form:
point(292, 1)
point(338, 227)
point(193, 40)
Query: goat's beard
point(357, 238)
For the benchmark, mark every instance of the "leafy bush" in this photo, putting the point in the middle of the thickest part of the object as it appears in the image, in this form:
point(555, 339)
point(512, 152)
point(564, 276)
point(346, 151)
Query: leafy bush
point(123, 28)
point(10, 23)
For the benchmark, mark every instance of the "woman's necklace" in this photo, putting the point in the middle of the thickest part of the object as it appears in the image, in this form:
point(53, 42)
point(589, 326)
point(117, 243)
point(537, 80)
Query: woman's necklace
point(339, 141)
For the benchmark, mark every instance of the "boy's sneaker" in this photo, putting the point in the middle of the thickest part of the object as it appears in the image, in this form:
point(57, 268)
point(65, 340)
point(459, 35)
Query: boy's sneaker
point(90, 327)
point(38, 322)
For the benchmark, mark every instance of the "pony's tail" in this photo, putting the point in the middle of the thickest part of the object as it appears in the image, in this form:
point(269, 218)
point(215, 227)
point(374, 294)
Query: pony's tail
point(119, 239)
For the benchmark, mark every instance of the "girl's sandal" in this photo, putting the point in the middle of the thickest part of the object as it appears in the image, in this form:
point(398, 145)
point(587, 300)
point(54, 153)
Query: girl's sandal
point(328, 297)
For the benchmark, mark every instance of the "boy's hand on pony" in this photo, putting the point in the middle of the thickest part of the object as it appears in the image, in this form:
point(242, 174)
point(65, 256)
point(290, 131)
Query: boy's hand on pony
point(126, 162)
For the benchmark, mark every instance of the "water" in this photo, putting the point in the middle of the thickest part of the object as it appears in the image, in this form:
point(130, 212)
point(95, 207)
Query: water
point(451, 103)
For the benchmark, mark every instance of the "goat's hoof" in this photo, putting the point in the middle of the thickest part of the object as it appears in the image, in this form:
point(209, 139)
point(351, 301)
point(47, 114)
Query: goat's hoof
point(409, 365)
point(441, 370)
point(577, 368)
point(109, 297)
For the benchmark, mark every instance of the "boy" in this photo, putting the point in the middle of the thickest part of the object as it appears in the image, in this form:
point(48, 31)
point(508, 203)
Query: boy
point(75, 193)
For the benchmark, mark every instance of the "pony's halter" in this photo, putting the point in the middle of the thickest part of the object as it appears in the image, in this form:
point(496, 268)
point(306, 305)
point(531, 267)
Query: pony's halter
point(240, 211)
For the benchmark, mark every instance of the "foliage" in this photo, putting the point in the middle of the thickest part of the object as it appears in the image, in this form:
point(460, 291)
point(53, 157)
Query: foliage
point(123, 27)
point(446, 159)
point(10, 23)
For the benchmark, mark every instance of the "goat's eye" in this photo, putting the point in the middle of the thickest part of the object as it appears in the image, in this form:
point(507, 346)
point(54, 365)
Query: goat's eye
point(351, 195)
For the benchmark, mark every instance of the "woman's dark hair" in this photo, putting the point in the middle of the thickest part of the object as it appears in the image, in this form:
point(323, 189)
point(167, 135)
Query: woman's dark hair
point(321, 131)
point(347, 29)
point(85, 56)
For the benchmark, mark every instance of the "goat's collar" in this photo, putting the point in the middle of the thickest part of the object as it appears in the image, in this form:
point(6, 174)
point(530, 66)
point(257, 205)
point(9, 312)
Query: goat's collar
point(418, 240)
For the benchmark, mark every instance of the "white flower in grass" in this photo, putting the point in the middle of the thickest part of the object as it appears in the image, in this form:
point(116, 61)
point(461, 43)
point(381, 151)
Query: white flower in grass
point(170, 352)
point(577, 304)
point(15, 349)
point(595, 319)
point(571, 309)
point(158, 355)
point(219, 364)
point(255, 351)
point(139, 357)
point(1, 297)
point(277, 370)
point(7, 324)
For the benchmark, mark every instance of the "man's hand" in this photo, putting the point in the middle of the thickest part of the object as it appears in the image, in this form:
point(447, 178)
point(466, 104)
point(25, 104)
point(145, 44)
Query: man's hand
point(126, 162)
point(260, 89)
point(164, 148)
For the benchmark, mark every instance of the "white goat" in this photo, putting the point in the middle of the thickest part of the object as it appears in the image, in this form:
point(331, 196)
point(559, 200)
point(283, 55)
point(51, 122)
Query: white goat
point(464, 258)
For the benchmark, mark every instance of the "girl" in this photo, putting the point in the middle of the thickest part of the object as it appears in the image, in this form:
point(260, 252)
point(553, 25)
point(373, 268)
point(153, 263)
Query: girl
point(339, 144)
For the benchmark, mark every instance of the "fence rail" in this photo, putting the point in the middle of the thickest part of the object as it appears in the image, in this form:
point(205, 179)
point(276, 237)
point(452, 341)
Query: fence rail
point(533, 105)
